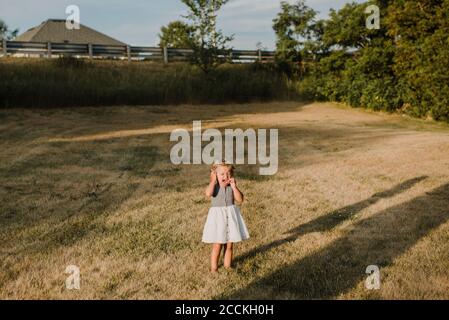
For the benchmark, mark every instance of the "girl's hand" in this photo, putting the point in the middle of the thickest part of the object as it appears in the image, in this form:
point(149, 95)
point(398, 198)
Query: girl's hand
point(233, 183)
point(213, 177)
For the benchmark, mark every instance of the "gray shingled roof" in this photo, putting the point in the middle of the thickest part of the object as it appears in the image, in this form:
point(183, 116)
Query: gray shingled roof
point(54, 30)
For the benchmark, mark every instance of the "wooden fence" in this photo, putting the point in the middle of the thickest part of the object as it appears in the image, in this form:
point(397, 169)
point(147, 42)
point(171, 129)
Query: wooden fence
point(52, 50)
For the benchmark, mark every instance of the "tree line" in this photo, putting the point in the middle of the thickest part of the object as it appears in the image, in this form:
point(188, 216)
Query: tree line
point(401, 66)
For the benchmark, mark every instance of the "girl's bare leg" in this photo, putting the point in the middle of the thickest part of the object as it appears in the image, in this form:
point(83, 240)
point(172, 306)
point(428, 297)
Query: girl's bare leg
point(216, 248)
point(228, 255)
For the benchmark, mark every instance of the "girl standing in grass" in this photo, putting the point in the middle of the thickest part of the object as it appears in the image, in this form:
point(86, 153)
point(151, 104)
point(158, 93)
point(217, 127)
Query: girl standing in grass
point(224, 224)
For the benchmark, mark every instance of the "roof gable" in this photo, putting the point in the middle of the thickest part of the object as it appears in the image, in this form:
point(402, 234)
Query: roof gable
point(54, 30)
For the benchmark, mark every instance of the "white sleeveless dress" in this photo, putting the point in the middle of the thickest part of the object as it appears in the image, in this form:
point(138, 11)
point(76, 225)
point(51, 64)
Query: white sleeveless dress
point(224, 221)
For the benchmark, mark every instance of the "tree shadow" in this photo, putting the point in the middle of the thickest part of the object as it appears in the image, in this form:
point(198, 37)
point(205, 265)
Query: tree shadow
point(75, 204)
point(340, 266)
point(330, 220)
point(333, 219)
point(112, 120)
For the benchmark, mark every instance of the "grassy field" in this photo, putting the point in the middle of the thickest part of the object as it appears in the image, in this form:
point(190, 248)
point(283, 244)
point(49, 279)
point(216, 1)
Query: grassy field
point(94, 187)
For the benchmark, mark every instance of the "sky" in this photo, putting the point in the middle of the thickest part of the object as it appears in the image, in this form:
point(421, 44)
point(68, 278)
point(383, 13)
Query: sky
point(138, 22)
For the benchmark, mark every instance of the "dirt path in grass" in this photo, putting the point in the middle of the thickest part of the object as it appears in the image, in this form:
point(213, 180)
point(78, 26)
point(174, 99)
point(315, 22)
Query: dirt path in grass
point(94, 187)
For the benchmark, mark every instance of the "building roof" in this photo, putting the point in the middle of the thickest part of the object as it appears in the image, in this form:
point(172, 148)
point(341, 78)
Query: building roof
point(54, 30)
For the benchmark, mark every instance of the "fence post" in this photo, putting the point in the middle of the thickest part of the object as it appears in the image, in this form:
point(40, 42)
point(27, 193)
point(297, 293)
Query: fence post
point(90, 50)
point(260, 55)
point(5, 48)
point(128, 52)
point(48, 49)
point(165, 55)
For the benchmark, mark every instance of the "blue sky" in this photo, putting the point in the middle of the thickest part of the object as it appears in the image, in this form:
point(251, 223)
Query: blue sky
point(138, 22)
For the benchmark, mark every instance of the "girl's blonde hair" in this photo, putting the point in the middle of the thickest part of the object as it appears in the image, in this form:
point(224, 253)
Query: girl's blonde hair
point(223, 163)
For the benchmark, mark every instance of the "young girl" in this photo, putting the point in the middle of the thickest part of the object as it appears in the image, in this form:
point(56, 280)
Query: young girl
point(224, 224)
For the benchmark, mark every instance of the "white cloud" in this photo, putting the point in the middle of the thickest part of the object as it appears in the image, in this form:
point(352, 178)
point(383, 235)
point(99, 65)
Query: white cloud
point(253, 5)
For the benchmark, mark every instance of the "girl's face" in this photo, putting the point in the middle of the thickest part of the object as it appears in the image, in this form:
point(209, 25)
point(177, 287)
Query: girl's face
point(223, 175)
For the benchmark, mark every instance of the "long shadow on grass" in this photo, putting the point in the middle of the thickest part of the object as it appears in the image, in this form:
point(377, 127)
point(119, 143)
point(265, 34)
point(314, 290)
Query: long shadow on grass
point(68, 214)
point(340, 266)
point(112, 121)
point(330, 220)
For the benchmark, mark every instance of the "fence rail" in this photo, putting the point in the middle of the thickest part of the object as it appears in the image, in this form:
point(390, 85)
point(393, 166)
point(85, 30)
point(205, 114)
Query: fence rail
point(88, 50)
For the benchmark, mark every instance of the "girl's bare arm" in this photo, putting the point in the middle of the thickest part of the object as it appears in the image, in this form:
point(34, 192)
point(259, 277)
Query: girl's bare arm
point(212, 183)
point(238, 195)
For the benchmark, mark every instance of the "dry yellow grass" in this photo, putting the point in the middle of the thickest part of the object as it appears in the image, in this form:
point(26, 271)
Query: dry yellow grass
point(94, 187)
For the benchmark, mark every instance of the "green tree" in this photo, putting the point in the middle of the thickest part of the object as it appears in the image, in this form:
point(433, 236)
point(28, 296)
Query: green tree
point(403, 65)
point(298, 36)
point(292, 26)
point(209, 45)
point(367, 78)
point(176, 34)
point(6, 33)
point(356, 64)
point(346, 27)
point(421, 33)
